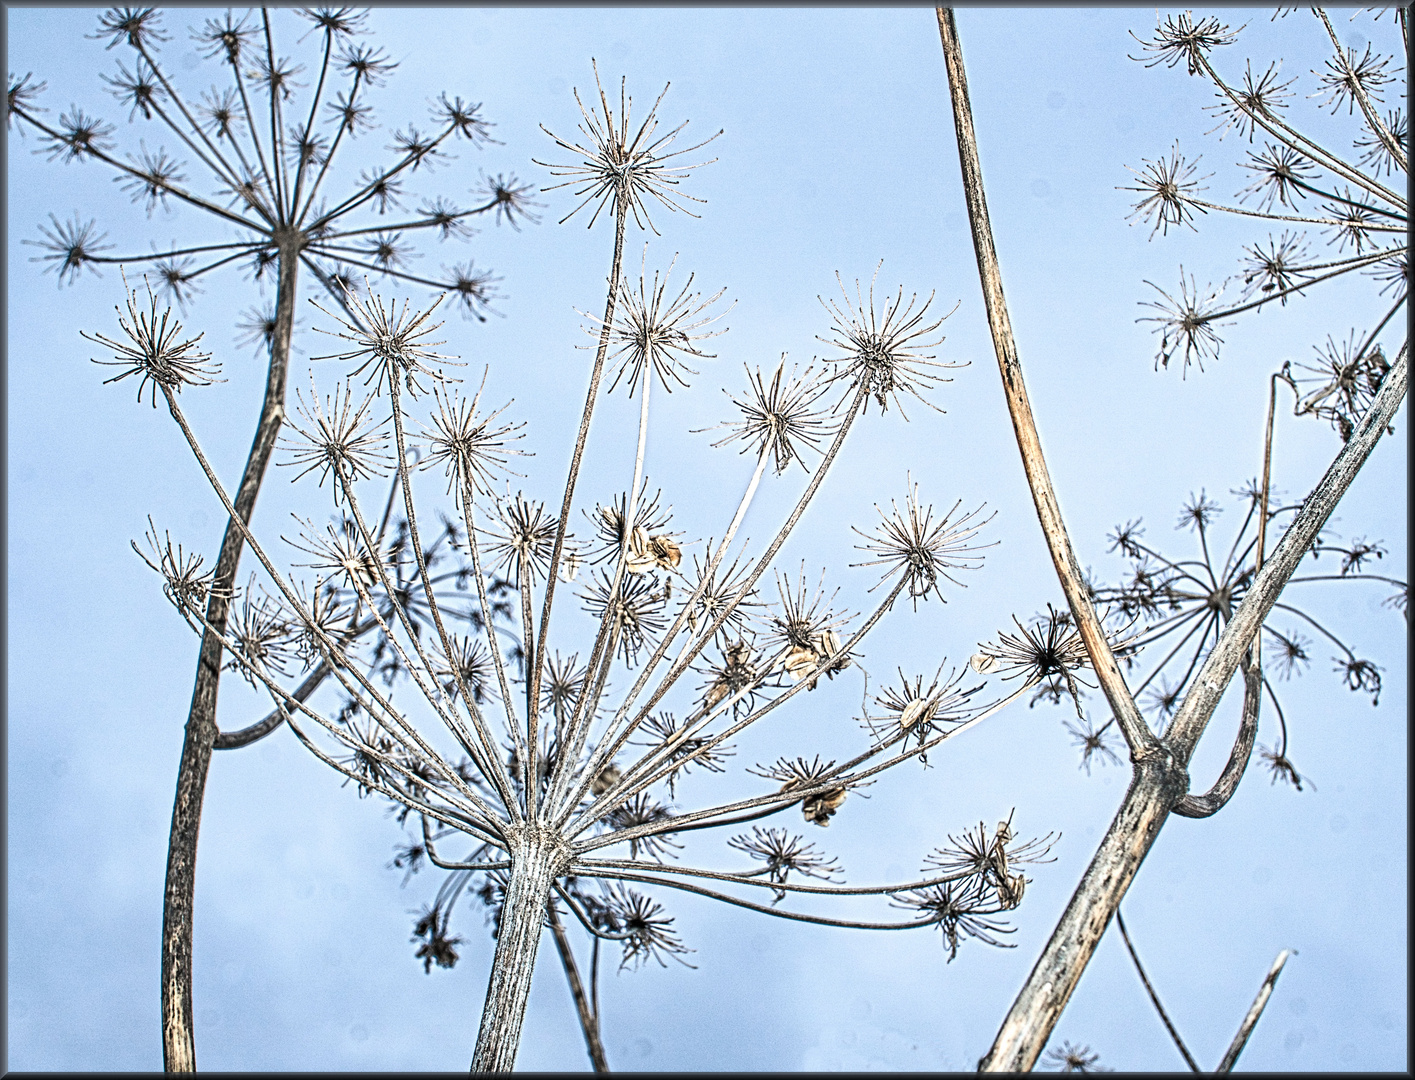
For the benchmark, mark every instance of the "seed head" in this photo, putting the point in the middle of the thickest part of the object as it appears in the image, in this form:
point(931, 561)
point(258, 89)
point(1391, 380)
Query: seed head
point(471, 449)
point(1166, 184)
point(883, 351)
point(619, 170)
point(780, 417)
point(390, 340)
point(650, 333)
point(911, 545)
point(72, 246)
point(337, 439)
point(155, 350)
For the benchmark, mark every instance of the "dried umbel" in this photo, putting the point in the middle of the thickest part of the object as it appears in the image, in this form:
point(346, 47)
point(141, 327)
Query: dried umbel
point(919, 712)
point(391, 340)
point(461, 713)
point(184, 583)
point(156, 351)
point(783, 855)
point(618, 169)
point(912, 545)
point(337, 439)
point(1364, 218)
point(884, 353)
point(1045, 654)
point(268, 176)
point(1188, 600)
point(781, 417)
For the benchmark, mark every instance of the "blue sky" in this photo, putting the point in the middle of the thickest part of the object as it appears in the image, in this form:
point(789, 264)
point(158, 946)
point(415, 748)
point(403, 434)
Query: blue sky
point(837, 152)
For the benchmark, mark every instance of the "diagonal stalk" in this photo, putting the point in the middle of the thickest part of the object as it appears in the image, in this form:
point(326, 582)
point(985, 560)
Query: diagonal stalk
point(584, 1006)
point(1160, 779)
point(535, 658)
point(1132, 725)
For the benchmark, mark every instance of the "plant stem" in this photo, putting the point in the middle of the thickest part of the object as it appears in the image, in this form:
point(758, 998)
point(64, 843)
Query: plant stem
point(1160, 779)
point(1255, 1010)
point(534, 862)
point(589, 1018)
point(178, 1044)
point(1137, 733)
point(1154, 998)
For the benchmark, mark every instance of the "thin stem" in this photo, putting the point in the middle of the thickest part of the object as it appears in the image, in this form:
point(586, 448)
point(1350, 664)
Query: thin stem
point(584, 1007)
point(609, 746)
point(1169, 1025)
point(487, 760)
point(536, 658)
point(848, 924)
point(587, 704)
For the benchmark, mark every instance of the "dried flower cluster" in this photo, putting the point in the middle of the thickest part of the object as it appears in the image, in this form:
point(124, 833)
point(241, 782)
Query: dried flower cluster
point(543, 762)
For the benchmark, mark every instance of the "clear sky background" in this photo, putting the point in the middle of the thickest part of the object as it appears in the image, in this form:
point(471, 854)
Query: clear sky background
point(838, 152)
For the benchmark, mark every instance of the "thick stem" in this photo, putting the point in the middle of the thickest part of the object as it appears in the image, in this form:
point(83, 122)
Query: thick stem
point(1218, 668)
point(1160, 779)
point(535, 860)
point(1158, 784)
point(178, 1045)
point(584, 1006)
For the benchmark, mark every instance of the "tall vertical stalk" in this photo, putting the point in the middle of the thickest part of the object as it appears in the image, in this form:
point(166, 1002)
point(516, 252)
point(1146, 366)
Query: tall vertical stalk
point(178, 1044)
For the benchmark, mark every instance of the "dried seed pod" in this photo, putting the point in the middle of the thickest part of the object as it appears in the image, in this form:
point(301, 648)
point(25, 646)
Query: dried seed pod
point(829, 644)
point(640, 560)
point(819, 809)
point(982, 663)
point(917, 710)
point(664, 552)
point(801, 661)
point(570, 565)
point(1010, 890)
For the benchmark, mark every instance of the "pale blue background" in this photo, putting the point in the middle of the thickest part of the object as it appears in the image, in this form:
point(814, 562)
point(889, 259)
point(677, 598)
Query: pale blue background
point(838, 152)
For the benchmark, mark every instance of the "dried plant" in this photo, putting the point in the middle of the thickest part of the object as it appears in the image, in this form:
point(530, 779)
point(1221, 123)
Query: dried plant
point(264, 141)
point(1186, 603)
point(1218, 611)
point(540, 763)
point(1294, 180)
